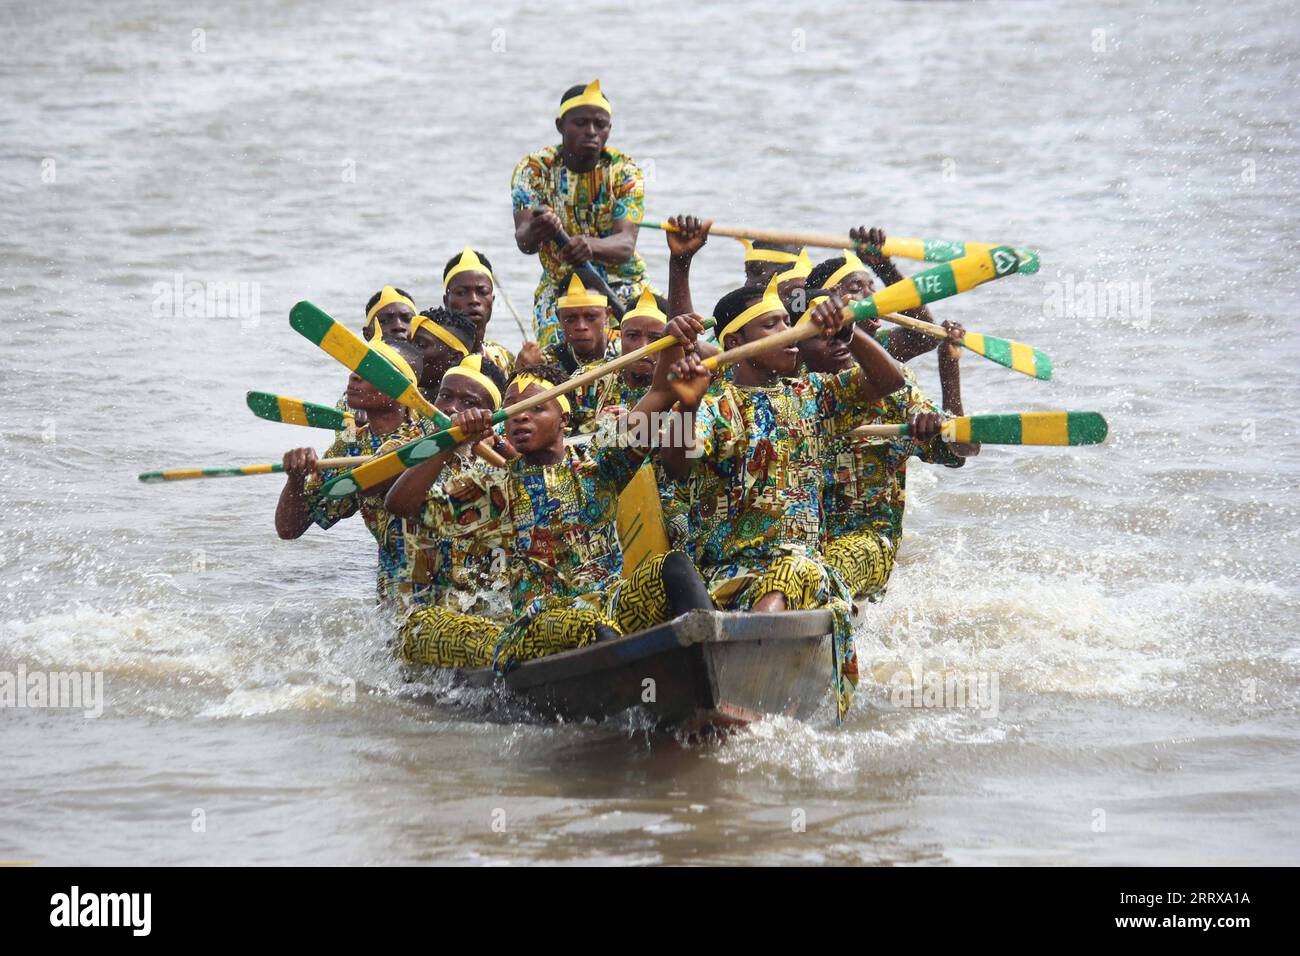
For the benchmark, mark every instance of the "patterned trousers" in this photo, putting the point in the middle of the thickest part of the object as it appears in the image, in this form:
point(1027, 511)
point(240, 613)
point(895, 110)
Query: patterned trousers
point(437, 637)
point(864, 560)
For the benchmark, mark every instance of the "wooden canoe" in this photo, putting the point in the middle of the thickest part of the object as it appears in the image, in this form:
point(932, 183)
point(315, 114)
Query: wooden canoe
point(705, 670)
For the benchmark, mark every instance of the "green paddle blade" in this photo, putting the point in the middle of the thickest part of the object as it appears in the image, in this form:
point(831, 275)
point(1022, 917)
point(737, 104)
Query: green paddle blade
point(292, 411)
point(1029, 428)
point(1013, 355)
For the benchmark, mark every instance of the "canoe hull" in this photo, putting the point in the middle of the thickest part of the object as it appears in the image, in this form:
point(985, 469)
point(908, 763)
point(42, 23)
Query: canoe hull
point(705, 669)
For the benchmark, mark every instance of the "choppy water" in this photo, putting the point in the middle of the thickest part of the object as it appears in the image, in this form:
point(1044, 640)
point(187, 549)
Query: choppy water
point(1137, 602)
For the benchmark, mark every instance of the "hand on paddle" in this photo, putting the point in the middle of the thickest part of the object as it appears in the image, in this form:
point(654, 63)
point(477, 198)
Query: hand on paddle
point(299, 463)
point(951, 349)
point(679, 372)
point(577, 251)
point(690, 236)
point(543, 225)
point(476, 423)
point(925, 426)
point(875, 238)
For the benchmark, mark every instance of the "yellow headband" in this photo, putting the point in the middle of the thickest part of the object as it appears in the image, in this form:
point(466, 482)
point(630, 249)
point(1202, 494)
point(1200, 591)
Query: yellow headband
point(591, 96)
point(851, 265)
point(523, 382)
point(770, 302)
point(647, 306)
point(471, 367)
point(438, 332)
point(801, 269)
point(387, 296)
point(766, 255)
point(469, 262)
point(390, 353)
point(577, 297)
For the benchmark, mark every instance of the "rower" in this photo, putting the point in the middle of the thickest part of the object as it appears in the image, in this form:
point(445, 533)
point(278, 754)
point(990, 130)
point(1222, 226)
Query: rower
point(468, 286)
point(643, 324)
point(557, 505)
point(862, 485)
point(590, 191)
point(464, 574)
point(847, 275)
point(585, 335)
point(752, 477)
point(389, 310)
point(444, 337)
point(301, 503)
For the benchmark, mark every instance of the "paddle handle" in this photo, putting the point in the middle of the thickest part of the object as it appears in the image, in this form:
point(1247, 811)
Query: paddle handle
point(240, 471)
point(592, 280)
point(820, 240)
point(924, 250)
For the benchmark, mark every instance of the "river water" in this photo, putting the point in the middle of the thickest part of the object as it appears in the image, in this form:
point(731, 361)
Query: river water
point(1136, 603)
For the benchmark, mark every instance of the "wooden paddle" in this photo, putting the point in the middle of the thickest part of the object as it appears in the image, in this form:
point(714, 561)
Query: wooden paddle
point(925, 250)
point(930, 285)
point(350, 349)
point(292, 411)
point(412, 453)
point(238, 471)
point(1024, 428)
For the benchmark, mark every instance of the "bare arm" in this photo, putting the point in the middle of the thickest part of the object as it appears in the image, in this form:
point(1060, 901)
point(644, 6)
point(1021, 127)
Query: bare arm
point(292, 512)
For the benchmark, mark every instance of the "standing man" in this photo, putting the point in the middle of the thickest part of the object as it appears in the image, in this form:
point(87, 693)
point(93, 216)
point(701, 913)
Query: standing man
point(593, 193)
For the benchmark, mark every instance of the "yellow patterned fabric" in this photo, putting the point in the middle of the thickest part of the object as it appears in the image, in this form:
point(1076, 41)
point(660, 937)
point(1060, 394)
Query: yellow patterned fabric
point(864, 560)
point(439, 637)
point(638, 603)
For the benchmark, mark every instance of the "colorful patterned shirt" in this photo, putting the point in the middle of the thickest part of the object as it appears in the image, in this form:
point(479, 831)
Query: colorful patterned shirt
point(558, 520)
point(384, 527)
point(755, 492)
point(864, 479)
point(588, 204)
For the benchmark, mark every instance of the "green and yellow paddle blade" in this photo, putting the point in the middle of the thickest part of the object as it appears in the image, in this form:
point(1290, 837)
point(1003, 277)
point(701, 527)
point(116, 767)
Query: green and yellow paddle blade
point(351, 350)
point(292, 411)
point(1024, 428)
point(1016, 356)
point(392, 464)
point(939, 282)
point(1028, 428)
